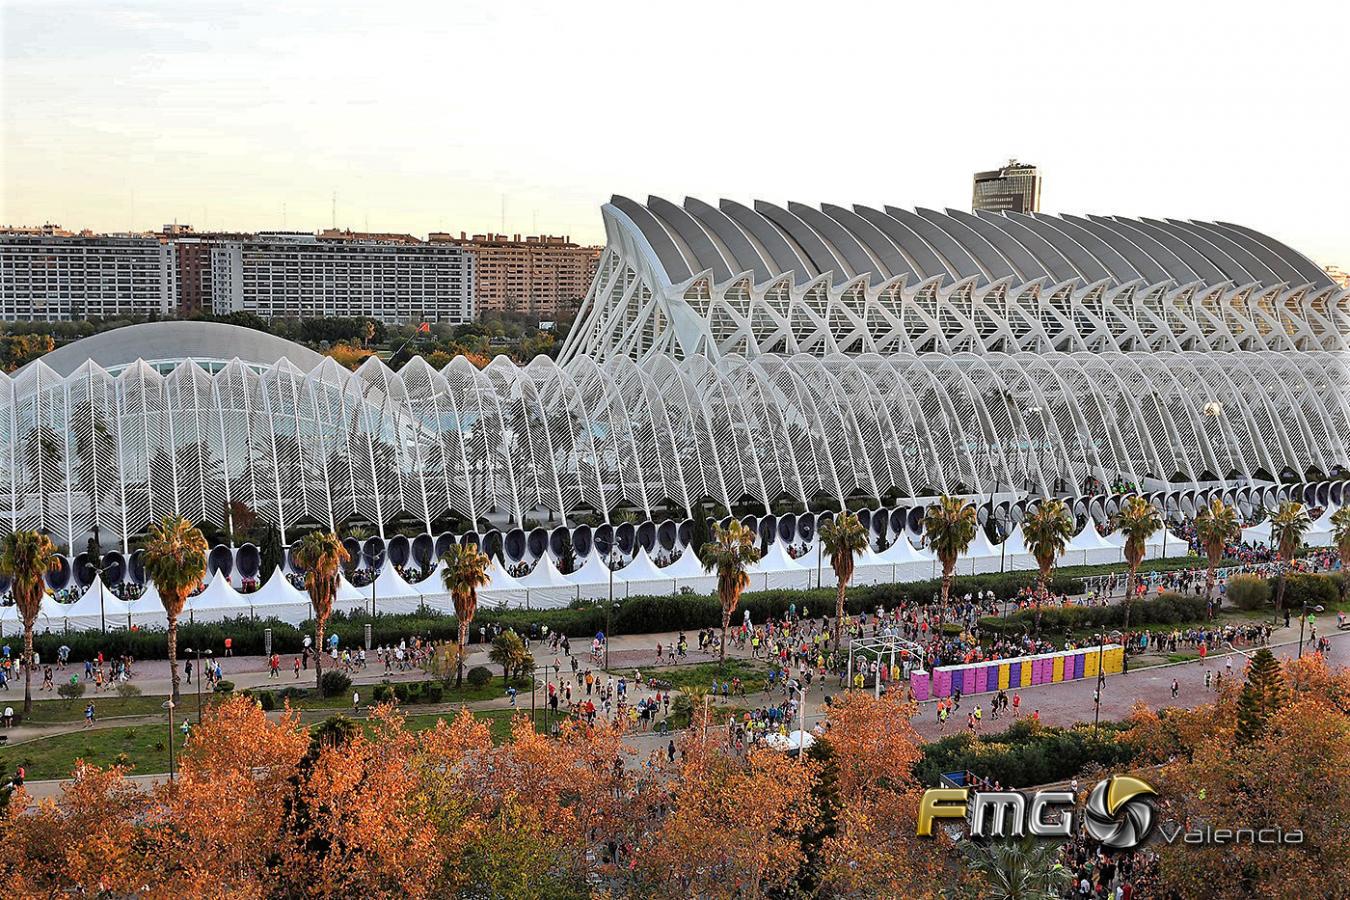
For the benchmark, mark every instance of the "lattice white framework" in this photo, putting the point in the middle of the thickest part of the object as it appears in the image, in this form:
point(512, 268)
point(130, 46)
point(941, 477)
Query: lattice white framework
point(122, 448)
point(713, 281)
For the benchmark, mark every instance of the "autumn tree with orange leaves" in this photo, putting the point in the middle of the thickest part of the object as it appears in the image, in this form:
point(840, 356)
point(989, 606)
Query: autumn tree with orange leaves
point(1291, 776)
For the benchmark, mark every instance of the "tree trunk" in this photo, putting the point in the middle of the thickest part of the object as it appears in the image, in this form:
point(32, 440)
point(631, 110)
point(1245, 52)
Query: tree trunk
point(947, 578)
point(1042, 589)
point(463, 652)
point(173, 657)
point(726, 620)
point(319, 627)
point(1279, 594)
point(1209, 583)
point(839, 617)
point(27, 668)
point(1129, 597)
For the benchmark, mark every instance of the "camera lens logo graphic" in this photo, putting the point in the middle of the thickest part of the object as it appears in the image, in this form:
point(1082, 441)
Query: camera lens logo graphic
point(1120, 812)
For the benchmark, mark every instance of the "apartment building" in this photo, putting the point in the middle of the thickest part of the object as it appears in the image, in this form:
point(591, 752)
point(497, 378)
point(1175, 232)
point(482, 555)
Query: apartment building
point(303, 275)
point(48, 273)
point(546, 276)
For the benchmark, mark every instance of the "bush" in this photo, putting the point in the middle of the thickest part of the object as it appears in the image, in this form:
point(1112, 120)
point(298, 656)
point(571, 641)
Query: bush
point(266, 699)
point(479, 676)
point(401, 692)
point(1166, 609)
point(333, 683)
point(384, 693)
point(434, 693)
point(1025, 754)
point(224, 687)
point(293, 694)
point(70, 690)
point(1249, 592)
point(1304, 587)
point(127, 690)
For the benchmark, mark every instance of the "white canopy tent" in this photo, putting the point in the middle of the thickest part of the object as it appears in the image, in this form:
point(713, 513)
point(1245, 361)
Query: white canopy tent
point(642, 577)
point(147, 610)
point(349, 596)
point(980, 557)
point(280, 599)
point(392, 594)
point(688, 572)
point(591, 577)
point(909, 563)
point(546, 587)
point(502, 589)
point(219, 601)
point(775, 570)
point(95, 607)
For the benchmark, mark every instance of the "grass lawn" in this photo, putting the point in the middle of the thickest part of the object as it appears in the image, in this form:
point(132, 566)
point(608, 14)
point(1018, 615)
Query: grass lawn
point(752, 674)
point(146, 748)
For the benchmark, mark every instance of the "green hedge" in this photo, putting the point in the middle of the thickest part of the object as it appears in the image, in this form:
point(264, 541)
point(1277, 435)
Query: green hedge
point(634, 615)
point(1025, 754)
point(1305, 587)
point(1167, 609)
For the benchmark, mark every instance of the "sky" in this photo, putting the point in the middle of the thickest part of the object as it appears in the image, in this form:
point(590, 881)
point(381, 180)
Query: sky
point(526, 117)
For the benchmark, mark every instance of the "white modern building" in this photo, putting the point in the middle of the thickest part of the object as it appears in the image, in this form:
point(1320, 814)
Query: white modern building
point(63, 278)
point(705, 280)
point(297, 275)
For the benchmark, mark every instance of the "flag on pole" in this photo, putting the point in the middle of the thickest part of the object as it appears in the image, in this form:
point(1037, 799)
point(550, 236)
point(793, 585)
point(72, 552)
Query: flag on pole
point(424, 328)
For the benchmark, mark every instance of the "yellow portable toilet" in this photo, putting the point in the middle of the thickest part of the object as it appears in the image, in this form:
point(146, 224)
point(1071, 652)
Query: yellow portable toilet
point(1003, 677)
point(1090, 661)
point(1113, 660)
point(1026, 673)
point(1057, 673)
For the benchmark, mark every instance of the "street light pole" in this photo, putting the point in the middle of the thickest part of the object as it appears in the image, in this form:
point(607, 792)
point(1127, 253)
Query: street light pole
point(169, 705)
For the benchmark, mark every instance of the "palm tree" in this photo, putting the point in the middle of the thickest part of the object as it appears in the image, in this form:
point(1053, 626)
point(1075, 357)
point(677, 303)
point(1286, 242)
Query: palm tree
point(1287, 527)
point(26, 557)
point(949, 525)
point(1024, 870)
point(1216, 525)
point(1340, 536)
point(1138, 520)
point(843, 538)
point(1047, 531)
point(466, 570)
point(322, 556)
point(175, 560)
point(729, 554)
point(508, 651)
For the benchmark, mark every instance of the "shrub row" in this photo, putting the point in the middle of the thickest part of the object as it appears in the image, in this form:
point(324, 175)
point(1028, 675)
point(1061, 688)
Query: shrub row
point(1169, 608)
point(1025, 754)
point(634, 615)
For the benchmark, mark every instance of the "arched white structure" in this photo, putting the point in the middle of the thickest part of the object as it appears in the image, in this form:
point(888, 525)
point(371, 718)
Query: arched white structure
point(326, 445)
point(711, 281)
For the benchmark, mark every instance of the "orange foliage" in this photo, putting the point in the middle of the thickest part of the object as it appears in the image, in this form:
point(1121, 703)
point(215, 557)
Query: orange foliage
point(348, 356)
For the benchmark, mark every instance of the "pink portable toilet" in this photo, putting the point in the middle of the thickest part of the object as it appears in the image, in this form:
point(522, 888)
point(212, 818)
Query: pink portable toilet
point(942, 685)
point(981, 679)
point(919, 684)
point(1038, 670)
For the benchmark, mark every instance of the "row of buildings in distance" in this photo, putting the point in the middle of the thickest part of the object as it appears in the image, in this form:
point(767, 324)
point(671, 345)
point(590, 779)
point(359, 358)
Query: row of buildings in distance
point(48, 273)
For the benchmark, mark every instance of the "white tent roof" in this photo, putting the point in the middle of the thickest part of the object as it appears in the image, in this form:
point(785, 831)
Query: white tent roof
point(980, 546)
point(545, 575)
point(279, 592)
point(1014, 543)
point(391, 584)
point(348, 592)
point(1089, 539)
point(1114, 539)
point(432, 584)
point(499, 579)
point(51, 610)
point(148, 602)
point(591, 570)
point(219, 594)
point(902, 551)
point(687, 566)
point(777, 560)
point(88, 604)
point(1323, 522)
point(795, 740)
point(641, 568)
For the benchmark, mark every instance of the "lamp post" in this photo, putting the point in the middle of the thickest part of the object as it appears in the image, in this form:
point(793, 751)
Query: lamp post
point(1101, 681)
point(610, 559)
point(1302, 620)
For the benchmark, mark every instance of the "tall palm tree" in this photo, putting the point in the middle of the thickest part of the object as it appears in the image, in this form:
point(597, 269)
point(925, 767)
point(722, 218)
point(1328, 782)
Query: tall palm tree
point(1216, 525)
point(466, 570)
point(27, 556)
point(729, 554)
point(1047, 531)
point(1024, 870)
point(949, 525)
point(1340, 537)
point(322, 556)
point(1288, 524)
point(1138, 520)
point(843, 538)
point(175, 560)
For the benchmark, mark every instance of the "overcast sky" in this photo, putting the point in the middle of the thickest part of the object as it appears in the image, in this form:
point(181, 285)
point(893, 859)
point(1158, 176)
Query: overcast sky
point(247, 115)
